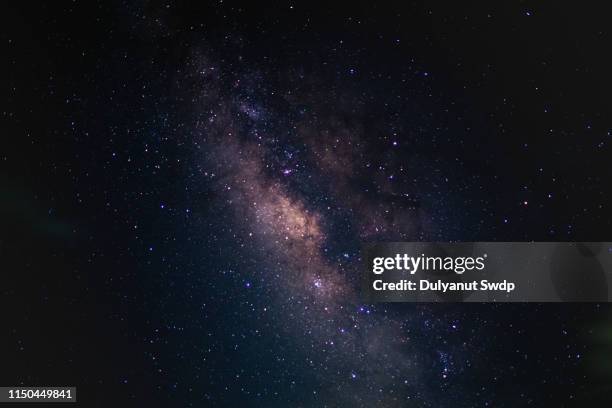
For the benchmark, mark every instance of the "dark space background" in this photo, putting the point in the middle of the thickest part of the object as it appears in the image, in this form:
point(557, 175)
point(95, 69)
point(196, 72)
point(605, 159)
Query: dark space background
point(185, 187)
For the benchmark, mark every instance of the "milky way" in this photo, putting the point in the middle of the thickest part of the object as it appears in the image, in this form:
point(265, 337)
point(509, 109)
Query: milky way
point(188, 186)
point(367, 350)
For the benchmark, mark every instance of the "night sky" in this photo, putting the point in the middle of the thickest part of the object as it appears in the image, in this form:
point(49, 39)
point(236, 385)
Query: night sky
point(185, 188)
